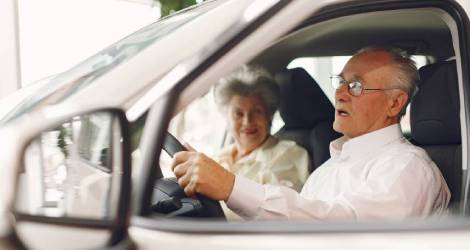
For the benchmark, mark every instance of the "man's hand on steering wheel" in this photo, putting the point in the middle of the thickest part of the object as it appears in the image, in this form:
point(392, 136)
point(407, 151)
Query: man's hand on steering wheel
point(199, 174)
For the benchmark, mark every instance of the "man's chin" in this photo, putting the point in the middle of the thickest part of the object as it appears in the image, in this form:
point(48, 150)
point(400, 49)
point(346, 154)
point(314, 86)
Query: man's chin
point(340, 128)
point(337, 126)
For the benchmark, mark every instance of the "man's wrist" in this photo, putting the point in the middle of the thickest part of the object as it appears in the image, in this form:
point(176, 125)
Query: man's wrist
point(230, 183)
point(246, 197)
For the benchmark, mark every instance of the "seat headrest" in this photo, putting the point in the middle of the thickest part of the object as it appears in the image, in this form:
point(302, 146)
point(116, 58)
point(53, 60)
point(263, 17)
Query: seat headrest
point(303, 103)
point(435, 108)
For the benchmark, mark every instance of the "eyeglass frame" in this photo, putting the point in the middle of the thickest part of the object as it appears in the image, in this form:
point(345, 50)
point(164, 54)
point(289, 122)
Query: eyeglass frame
point(343, 82)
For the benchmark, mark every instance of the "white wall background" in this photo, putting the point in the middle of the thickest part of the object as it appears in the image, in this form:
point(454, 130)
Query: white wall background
point(57, 34)
point(9, 64)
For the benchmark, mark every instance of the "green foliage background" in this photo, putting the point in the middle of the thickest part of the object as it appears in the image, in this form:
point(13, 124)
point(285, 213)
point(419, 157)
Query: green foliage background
point(169, 6)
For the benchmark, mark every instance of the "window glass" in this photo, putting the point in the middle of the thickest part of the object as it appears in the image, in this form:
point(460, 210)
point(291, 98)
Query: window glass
point(202, 125)
point(86, 72)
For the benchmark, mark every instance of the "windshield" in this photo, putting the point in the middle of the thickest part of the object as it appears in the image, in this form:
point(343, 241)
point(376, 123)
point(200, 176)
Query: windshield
point(80, 76)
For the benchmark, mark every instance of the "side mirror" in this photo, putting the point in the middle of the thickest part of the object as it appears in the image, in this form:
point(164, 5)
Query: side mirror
point(74, 189)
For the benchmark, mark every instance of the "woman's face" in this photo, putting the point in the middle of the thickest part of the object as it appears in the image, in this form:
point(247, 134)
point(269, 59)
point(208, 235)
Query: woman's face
point(248, 122)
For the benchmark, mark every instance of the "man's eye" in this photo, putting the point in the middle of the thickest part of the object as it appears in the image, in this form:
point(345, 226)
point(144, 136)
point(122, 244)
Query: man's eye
point(355, 86)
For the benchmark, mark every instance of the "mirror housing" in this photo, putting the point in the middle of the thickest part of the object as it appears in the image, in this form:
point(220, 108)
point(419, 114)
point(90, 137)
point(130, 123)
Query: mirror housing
point(74, 183)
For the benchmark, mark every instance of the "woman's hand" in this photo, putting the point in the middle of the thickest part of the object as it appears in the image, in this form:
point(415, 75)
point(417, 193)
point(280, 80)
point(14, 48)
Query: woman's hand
point(199, 174)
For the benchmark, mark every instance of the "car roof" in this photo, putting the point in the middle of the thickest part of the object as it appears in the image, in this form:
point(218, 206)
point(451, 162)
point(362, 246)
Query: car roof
point(419, 32)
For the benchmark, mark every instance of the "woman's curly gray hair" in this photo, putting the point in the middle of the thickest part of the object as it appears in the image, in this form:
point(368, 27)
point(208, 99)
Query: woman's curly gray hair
point(249, 81)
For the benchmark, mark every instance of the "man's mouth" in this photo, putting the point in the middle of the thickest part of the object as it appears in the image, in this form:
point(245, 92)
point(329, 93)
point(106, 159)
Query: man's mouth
point(342, 112)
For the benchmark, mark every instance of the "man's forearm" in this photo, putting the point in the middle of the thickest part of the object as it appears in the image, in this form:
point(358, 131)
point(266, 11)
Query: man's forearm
point(252, 200)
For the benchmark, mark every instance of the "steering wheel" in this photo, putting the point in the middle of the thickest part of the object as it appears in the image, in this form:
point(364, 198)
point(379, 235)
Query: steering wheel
point(169, 197)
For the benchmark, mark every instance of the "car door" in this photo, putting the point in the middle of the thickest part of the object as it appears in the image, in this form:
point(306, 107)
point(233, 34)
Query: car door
point(249, 45)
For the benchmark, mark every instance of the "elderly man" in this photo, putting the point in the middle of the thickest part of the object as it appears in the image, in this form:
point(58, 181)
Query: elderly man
point(373, 172)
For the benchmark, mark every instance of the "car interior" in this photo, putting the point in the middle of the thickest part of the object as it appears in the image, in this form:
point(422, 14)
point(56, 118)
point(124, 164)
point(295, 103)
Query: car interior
point(434, 117)
point(307, 113)
point(435, 123)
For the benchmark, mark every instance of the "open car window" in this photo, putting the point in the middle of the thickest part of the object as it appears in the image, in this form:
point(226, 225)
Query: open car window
point(109, 58)
point(321, 48)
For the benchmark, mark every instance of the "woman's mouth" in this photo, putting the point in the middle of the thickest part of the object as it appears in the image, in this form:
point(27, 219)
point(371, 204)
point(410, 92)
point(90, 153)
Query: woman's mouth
point(250, 131)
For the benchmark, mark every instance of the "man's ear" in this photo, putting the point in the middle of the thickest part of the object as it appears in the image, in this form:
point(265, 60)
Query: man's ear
point(397, 101)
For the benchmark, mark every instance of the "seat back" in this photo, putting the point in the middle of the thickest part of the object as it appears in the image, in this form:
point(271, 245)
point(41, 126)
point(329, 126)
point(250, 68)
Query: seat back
point(307, 113)
point(435, 122)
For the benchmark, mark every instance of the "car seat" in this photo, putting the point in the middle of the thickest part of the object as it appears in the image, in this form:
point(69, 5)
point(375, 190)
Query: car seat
point(307, 113)
point(435, 122)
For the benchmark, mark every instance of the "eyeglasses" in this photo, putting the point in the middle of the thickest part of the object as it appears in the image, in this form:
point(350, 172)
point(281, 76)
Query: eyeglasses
point(355, 88)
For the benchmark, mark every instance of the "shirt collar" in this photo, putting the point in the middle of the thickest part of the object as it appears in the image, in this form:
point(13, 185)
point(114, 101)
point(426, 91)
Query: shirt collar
point(364, 144)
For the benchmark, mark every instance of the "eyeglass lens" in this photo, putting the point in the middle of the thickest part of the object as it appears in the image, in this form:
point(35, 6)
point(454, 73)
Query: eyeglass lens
point(354, 88)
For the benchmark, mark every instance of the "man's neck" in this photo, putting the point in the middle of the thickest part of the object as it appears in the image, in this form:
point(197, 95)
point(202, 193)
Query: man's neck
point(384, 125)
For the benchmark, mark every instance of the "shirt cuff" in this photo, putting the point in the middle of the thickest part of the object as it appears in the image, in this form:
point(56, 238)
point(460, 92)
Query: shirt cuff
point(246, 197)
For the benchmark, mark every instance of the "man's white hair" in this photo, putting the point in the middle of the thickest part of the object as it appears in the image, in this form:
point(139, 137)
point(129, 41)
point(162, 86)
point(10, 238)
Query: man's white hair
point(407, 75)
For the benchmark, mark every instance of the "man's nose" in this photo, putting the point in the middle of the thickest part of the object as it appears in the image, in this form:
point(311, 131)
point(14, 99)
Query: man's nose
point(341, 94)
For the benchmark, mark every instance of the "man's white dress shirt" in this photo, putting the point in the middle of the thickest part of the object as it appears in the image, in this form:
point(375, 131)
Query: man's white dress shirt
point(379, 175)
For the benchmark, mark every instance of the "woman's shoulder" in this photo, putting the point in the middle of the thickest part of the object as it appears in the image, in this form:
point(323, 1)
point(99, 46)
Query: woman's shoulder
point(285, 153)
point(225, 154)
point(285, 145)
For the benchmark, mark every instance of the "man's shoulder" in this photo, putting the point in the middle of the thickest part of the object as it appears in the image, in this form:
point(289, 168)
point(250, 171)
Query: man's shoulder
point(403, 147)
point(403, 155)
point(402, 161)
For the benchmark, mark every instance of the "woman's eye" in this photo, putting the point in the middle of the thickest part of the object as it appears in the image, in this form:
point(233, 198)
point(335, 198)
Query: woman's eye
point(259, 111)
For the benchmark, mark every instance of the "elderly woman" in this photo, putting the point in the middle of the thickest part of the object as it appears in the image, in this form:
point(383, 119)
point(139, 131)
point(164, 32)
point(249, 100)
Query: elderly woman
point(249, 98)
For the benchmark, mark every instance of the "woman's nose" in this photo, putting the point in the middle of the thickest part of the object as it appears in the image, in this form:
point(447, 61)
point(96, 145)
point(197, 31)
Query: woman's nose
point(247, 118)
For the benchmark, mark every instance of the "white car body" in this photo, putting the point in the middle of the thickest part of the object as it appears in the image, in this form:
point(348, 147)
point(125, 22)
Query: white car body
point(146, 77)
